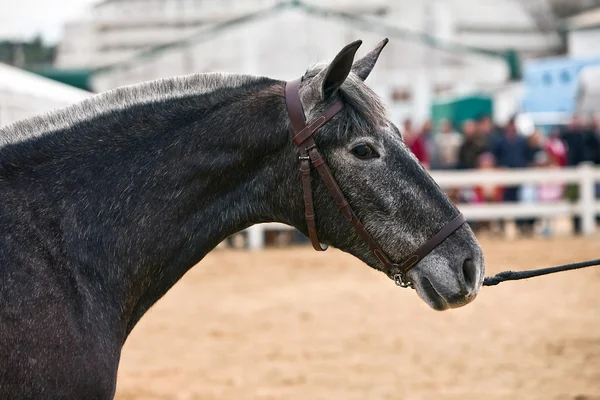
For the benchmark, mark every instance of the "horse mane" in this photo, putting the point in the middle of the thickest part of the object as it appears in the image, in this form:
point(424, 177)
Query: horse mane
point(204, 91)
point(212, 87)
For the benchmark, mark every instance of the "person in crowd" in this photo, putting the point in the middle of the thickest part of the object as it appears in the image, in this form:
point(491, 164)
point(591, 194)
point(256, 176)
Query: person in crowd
point(593, 149)
point(429, 141)
point(481, 193)
point(415, 142)
point(547, 192)
point(512, 150)
point(555, 148)
point(487, 193)
point(529, 193)
point(592, 140)
point(574, 138)
point(491, 132)
point(486, 127)
point(472, 146)
point(447, 145)
point(535, 145)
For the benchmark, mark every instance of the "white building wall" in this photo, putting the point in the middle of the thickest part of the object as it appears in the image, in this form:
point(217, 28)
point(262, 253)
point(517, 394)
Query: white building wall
point(285, 45)
point(491, 24)
point(80, 49)
point(507, 101)
point(584, 43)
point(119, 29)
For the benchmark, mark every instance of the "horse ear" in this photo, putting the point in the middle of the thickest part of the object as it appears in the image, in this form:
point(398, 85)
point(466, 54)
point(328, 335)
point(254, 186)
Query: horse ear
point(337, 72)
point(364, 66)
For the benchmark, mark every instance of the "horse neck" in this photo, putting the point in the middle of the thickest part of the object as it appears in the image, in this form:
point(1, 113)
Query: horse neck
point(141, 209)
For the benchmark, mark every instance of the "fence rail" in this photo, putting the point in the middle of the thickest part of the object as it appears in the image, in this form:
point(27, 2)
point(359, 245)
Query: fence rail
point(586, 176)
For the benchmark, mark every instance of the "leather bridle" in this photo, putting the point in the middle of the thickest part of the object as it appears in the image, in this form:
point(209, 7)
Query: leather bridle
point(308, 154)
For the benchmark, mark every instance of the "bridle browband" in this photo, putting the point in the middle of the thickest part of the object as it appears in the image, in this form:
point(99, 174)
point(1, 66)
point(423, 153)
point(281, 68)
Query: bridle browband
point(309, 154)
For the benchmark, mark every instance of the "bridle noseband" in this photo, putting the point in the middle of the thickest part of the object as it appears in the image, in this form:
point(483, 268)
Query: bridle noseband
point(309, 154)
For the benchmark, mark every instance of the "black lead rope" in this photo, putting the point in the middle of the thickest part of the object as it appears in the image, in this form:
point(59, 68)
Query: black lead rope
point(517, 275)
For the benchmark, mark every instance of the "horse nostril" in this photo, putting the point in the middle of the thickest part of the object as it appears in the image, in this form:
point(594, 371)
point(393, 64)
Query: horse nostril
point(469, 273)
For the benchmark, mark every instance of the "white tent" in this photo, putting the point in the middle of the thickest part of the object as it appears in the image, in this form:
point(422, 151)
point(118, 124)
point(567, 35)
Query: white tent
point(24, 94)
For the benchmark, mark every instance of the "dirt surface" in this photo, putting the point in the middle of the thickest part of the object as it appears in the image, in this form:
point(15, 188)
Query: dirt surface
point(296, 324)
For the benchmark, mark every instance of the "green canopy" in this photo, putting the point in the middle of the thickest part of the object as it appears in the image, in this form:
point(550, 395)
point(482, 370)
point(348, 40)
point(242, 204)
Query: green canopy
point(79, 78)
point(459, 109)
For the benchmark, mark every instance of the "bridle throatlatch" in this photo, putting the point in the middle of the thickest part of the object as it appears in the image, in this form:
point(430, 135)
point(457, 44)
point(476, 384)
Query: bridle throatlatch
point(308, 154)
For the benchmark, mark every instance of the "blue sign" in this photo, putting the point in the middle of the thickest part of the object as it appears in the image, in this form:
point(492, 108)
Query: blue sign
point(551, 84)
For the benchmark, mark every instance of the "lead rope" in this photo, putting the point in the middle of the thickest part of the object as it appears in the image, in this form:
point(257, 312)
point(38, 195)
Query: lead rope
point(518, 275)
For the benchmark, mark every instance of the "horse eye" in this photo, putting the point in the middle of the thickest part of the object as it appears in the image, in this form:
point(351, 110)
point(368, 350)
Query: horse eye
point(364, 151)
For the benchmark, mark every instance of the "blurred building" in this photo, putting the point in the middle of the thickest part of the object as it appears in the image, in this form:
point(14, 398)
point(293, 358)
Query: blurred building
point(553, 84)
point(116, 29)
point(437, 46)
point(24, 94)
point(584, 44)
point(584, 34)
point(557, 87)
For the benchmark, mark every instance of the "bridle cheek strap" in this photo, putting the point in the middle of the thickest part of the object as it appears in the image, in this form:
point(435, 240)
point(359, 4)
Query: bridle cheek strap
point(308, 155)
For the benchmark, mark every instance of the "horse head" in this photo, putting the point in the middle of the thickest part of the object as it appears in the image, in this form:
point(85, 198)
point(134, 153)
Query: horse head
point(399, 204)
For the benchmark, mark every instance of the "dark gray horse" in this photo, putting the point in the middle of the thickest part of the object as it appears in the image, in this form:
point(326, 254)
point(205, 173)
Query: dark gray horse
point(107, 203)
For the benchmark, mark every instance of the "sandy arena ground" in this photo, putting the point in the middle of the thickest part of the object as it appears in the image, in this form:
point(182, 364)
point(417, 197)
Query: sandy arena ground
point(297, 324)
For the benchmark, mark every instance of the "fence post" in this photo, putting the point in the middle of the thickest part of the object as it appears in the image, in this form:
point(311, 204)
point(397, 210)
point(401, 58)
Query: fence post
point(256, 237)
point(587, 198)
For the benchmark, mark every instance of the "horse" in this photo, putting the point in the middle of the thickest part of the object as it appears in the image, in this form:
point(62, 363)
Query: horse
point(107, 203)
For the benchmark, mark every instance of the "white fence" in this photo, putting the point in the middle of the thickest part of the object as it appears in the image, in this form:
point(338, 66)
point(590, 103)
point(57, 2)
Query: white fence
point(585, 176)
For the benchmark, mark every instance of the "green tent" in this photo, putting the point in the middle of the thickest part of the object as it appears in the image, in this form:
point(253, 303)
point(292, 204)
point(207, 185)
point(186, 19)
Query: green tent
point(79, 78)
point(459, 109)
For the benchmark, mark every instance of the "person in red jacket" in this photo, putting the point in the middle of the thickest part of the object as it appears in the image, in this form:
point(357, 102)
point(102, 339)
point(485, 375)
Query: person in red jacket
point(556, 148)
point(416, 143)
point(487, 193)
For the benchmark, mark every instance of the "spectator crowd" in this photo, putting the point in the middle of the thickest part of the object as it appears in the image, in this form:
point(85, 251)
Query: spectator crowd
point(480, 144)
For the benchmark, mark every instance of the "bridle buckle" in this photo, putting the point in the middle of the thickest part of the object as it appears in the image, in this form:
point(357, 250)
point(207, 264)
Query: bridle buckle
point(402, 282)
